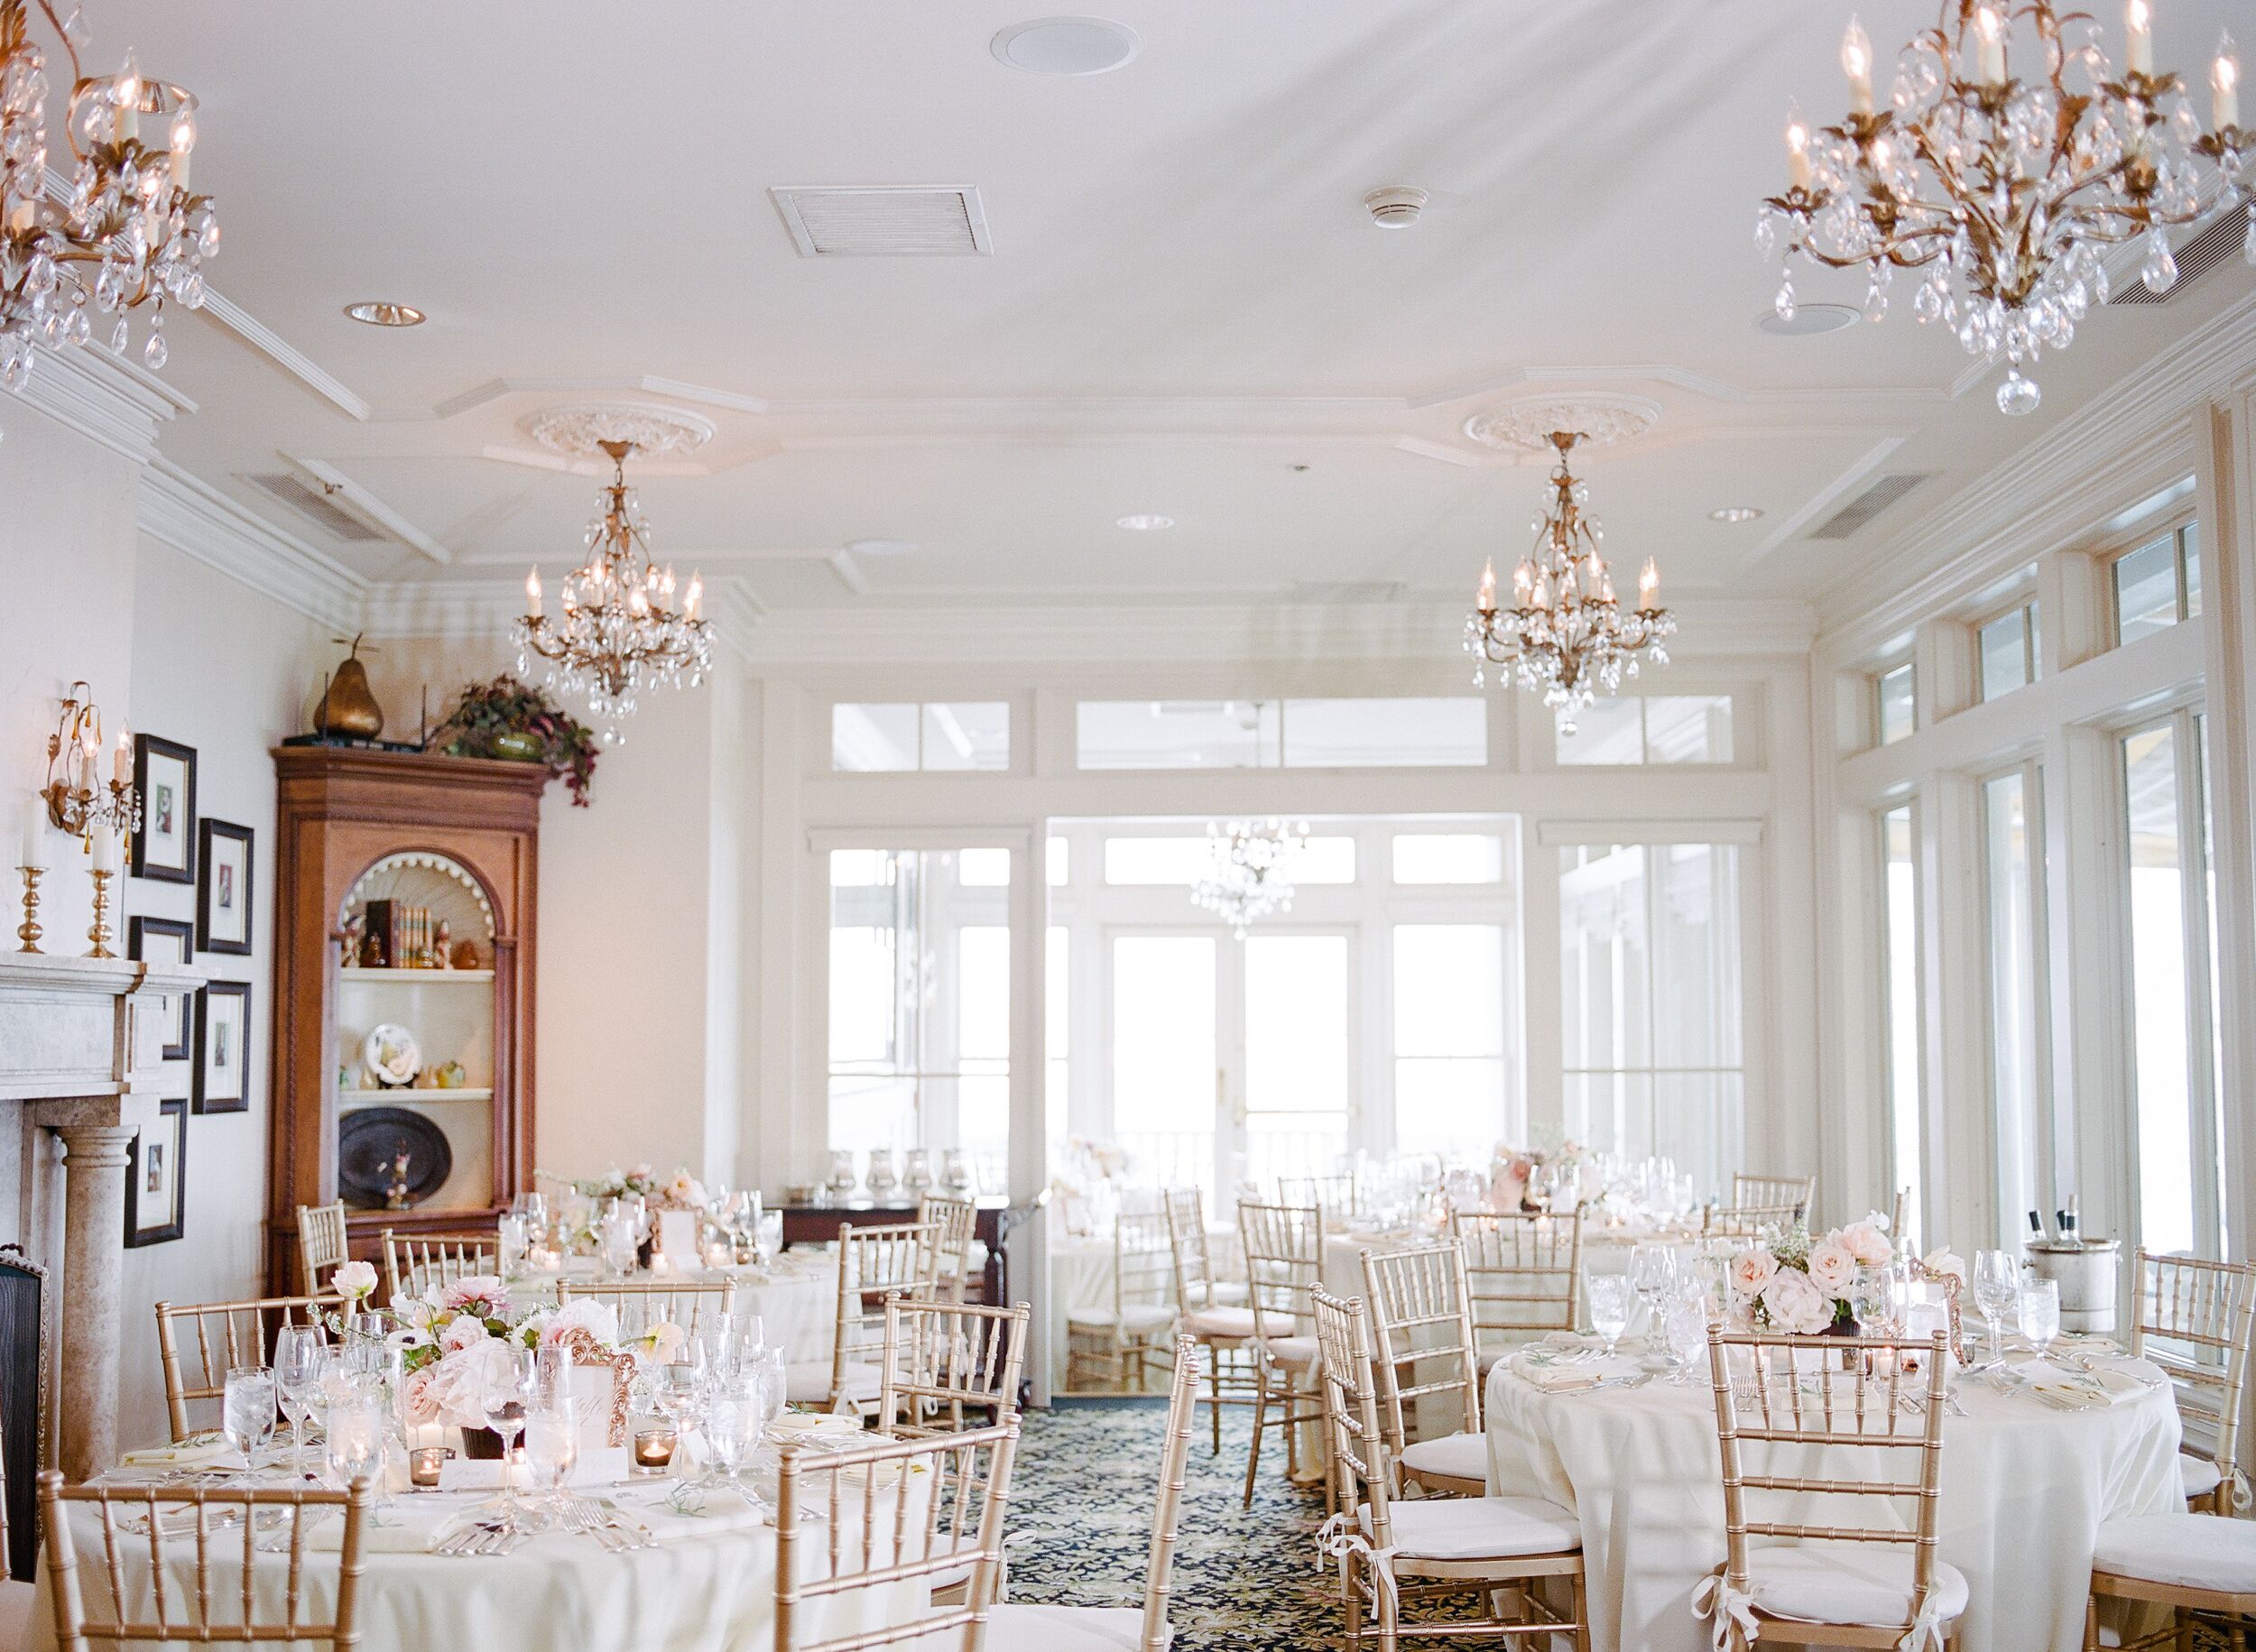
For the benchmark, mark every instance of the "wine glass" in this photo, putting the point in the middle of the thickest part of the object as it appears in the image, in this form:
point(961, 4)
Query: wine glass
point(247, 1412)
point(552, 1448)
point(2040, 1313)
point(732, 1427)
point(1652, 1270)
point(1610, 1299)
point(504, 1395)
point(1997, 1285)
point(353, 1439)
point(513, 1236)
point(298, 1358)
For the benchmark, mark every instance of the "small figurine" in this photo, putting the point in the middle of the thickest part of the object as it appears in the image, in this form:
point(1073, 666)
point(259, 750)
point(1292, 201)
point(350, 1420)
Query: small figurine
point(442, 949)
point(465, 955)
point(398, 1195)
point(352, 938)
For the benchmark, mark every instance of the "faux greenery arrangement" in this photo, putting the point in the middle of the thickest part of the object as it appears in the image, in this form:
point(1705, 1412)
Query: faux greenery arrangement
point(508, 719)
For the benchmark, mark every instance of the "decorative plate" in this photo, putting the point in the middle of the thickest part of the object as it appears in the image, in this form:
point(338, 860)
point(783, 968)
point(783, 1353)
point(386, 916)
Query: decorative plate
point(393, 1055)
point(369, 1142)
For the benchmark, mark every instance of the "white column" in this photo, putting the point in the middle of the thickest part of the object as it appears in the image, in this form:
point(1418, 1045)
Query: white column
point(94, 1235)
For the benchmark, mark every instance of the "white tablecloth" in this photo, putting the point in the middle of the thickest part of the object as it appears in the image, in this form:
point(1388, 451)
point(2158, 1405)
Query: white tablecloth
point(797, 1297)
point(2024, 1490)
point(1081, 1280)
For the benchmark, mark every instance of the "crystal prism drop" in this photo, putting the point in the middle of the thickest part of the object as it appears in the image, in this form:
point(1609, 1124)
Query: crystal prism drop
point(155, 353)
point(1784, 304)
point(2018, 395)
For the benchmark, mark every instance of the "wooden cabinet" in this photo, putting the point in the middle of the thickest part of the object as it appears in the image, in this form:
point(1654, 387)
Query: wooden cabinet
point(456, 839)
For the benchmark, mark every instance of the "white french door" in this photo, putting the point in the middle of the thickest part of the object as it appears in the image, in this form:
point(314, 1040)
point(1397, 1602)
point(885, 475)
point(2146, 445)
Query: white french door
point(1232, 1062)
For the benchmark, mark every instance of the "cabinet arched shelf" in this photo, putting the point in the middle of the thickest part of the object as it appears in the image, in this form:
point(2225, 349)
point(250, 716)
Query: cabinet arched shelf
point(451, 840)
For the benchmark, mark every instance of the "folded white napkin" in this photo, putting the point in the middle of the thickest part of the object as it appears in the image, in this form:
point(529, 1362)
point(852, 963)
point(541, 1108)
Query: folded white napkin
point(1555, 1376)
point(196, 1451)
point(2077, 1387)
point(601, 1466)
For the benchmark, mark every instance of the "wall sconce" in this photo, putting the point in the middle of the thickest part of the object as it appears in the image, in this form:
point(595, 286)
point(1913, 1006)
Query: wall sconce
point(78, 800)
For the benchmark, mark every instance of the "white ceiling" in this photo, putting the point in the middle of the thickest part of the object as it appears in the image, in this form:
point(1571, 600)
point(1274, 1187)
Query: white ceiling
point(1185, 306)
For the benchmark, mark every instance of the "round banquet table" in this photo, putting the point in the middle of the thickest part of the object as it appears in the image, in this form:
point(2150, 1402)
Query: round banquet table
point(796, 1296)
point(1081, 1281)
point(2024, 1490)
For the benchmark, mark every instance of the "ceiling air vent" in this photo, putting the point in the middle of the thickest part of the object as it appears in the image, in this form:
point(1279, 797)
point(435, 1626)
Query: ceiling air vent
point(885, 220)
point(1884, 492)
point(2226, 235)
point(315, 508)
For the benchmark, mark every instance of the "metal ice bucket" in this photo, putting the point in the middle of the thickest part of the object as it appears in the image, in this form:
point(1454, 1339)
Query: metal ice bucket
point(2085, 1269)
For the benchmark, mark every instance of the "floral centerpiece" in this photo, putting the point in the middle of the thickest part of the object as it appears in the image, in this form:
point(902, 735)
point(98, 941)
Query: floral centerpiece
point(1805, 1285)
point(1513, 1171)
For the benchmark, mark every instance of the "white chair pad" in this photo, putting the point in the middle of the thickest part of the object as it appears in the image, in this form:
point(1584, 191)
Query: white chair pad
point(806, 1383)
point(1015, 1627)
point(1219, 1322)
point(1461, 1456)
point(2189, 1551)
point(1228, 1292)
point(1135, 1317)
point(2201, 1476)
point(1845, 1583)
point(1478, 1528)
point(1294, 1350)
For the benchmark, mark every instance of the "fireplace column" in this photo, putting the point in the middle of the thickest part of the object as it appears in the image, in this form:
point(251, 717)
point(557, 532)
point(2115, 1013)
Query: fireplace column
point(94, 1230)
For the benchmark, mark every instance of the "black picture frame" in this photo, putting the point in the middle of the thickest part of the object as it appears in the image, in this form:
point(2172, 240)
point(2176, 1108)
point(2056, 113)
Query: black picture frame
point(138, 932)
point(164, 1161)
point(223, 1041)
point(165, 819)
point(223, 888)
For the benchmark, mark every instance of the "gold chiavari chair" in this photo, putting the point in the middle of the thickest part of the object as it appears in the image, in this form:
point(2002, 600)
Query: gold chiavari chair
point(943, 1358)
point(417, 1263)
point(875, 1263)
point(1014, 1626)
point(1524, 1274)
point(697, 1305)
point(894, 1512)
point(1107, 1343)
point(2194, 1319)
point(1223, 1329)
point(1392, 1554)
point(1764, 1192)
point(1868, 1584)
point(952, 1222)
point(227, 1334)
point(1337, 1196)
point(1899, 1214)
point(1751, 1221)
point(2189, 1563)
point(1285, 1262)
point(1421, 1314)
point(321, 1244)
point(225, 1606)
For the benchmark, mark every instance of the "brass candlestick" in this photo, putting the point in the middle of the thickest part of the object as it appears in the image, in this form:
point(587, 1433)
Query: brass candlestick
point(28, 931)
point(100, 933)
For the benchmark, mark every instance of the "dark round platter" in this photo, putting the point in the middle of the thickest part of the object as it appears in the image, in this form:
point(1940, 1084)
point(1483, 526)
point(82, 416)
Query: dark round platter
point(369, 1139)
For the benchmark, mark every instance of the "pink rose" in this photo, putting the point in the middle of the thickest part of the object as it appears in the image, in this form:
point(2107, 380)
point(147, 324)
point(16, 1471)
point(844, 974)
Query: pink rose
point(479, 1292)
point(1751, 1270)
point(1832, 1266)
point(462, 1331)
point(1795, 1305)
point(1867, 1243)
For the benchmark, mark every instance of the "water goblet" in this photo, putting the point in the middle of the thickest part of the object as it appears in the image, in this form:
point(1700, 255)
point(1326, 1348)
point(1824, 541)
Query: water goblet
point(513, 1239)
point(1997, 1285)
point(298, 1354)
point(1684, 1323)
point(1652, 1270)
point(1610, 1298)
point(732, 1427)
point(2040, 1313)
point(503, 1395)
point(552, 1448)
point(353, 1439)
point(247, 1413)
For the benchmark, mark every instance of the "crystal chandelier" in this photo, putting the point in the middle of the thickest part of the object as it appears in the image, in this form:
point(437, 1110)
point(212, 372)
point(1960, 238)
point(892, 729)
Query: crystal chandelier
point(130, 233)
point(1564, 632)
point(2006, 191)
point(619, 632)
point(1250, 875)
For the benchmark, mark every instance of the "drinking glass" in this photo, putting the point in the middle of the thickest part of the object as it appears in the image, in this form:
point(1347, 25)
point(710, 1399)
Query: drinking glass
point(506, 1393)
point(619, 1239)
point(1652, 1270)
point(353, 1439)
point(534, 1208)
point(731, 1428)
point(514, 1237)
point(2040, 1313)
point(1609, 1299)
point(551, 1377)
point(1997, 1284)
point(552, 1448)
point(298, 1358)
point(247, 1413)
point(1684, 1323)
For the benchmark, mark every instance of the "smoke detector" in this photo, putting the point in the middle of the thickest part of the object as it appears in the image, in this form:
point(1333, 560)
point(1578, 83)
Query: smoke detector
point(1396, 207)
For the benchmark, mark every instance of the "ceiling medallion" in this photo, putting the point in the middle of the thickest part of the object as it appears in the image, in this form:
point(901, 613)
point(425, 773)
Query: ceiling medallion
point(619, 632)
point(589, 429)
point(1564, 634)
point(2006, 191)
point(129, 233)
point(1528, 424)
point(1250, 872)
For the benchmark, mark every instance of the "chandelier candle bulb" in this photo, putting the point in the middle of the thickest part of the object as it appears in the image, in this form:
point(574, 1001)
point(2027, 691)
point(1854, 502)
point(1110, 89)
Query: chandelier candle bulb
point(126, 101)
point(1796, 149)
point(122, 770)
point(532, 595)
point(1857, 62)
point(1486, 600)
point(2224, 85)
point(1989, 44)
point(1649, 587)
point(2138, 52)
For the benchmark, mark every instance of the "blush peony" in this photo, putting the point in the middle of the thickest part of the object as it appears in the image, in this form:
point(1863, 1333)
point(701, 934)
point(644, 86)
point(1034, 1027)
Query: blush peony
point(1795, 1305)
point(1867, 1243)
point(1752, 1269)
point(1832, 1266)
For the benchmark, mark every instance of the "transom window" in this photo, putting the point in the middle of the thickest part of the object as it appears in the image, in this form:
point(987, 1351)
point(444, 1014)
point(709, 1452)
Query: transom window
point(1651, 728)
point(2157, 586)
point(1394, 733)
point(933, 736)
point(2005, 649)
point(1895, 704)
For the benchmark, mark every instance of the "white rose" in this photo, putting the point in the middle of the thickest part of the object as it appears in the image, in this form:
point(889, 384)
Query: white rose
point(1867, 1243)
point(354, 1280)
point(1795, 1305)
point(1752, 1269)
point(462, 1330)
point(1832, 1266)
point(456, 1388)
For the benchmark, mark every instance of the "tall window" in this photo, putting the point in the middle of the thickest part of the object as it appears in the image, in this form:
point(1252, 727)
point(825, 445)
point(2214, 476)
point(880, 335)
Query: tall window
point(2174, 1075)
point(920, 1003)
point(2013, 864)
point(1650, 955)
point(1449, 1038)
point(1900, 1009)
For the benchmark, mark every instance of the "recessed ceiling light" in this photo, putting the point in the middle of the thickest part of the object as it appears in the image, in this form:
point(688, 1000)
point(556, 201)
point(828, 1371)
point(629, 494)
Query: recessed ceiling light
point(1143, 524)
point(376, 312)
point(1808, 320)
point(1735, 514)
point(1065, 45)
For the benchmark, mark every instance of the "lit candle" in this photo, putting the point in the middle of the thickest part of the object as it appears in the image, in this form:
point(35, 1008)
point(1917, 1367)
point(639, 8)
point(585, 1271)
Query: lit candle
point(105, 847)
point(1857, 62)
point(1796, 149)
point(1522, 582)
point(1541, 596)
point(2224, 85)
point(183, 140)
point(695, 597)
point(179, 162)
point(532, 595)
point(126, 104)
point(653, 1450)
point(1605, 584)
point(33, 853)
point(1649, 587)
point(122, 771)
point(1990, 42)
point(2139, 44)
point(1486, 600)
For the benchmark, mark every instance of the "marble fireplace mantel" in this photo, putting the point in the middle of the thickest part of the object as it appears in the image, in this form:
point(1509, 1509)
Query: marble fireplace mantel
point(81, 1070)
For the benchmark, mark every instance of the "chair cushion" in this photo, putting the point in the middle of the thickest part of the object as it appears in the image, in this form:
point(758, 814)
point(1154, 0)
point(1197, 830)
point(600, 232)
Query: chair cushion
point(1219, 1322)
point(1461, 1456)
point(1135, 1317)
point(1843, 1583)
point(806, 1383)
point(1291, 1350)
point(1229, 1292)
point(1015, 1627)
point(2190, 1551)
point(1478, 1528)
point(2201, 1476)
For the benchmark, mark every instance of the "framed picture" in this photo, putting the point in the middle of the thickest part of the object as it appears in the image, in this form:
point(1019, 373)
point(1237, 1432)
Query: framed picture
point(165, 940)
point(155, 1179)
point(222, 1036)
point(164, 776)
point(223, 887)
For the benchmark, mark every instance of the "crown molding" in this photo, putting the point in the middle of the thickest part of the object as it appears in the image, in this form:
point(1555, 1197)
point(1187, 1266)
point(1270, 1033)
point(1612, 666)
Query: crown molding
point(191, 516)
point(285, 354)
point(108, 402)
